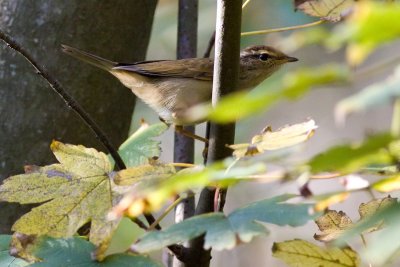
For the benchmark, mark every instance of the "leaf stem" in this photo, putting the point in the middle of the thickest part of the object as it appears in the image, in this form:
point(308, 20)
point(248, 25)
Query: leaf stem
point(69, 100)
point(290, 28)
point(165, 213)
point(182, 165)
point(395, 127)
point(245, 3)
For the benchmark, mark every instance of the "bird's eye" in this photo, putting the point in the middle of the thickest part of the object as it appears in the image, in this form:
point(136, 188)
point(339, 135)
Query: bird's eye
point(263, 56)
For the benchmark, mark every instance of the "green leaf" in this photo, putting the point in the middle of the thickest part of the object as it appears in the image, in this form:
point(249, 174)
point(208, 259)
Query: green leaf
point(76, 191)
point(349, 158)
point(331, 10)
point(300, 253)
point(126, 234)
point(140, 146)
point(5, 258)
point(384, 244)
point(363, 30)
point(152, 196)
point(380, 93)
point(293, 85)
point(77, 252)
point(225, 232)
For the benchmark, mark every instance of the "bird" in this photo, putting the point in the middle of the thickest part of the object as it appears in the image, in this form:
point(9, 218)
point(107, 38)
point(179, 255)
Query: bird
point(171, 87)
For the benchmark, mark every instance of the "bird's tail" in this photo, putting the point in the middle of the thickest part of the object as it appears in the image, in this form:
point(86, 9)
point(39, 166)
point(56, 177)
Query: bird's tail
point(89, 58)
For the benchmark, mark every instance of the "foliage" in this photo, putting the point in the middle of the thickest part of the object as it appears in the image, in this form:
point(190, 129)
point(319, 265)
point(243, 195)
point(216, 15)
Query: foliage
point(77, 252)
point(225, 232)
point(301, 253)
point(83, 195)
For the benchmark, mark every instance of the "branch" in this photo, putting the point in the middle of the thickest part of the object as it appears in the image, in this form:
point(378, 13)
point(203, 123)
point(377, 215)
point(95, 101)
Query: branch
point(226, 73)
point(307, 25)
point(72, 103)
point(69, 100)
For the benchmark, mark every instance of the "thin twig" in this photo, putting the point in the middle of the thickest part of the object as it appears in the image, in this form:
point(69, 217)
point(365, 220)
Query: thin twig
point(69, 100)
point(284, 28)
point(245, 3)
point(165, 213)
point(210, 46)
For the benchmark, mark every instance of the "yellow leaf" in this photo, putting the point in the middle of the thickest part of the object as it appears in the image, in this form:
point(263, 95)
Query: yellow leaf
point(330, 200)
point(300, 253)
point(332, 224)
point(268, 140)
point(388, 184)
point(75, 192)
point(148, 173)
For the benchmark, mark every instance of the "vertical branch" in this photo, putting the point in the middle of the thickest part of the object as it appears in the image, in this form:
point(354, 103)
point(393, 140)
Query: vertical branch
point(226, 74)
point(395, 127)
point(184, 146)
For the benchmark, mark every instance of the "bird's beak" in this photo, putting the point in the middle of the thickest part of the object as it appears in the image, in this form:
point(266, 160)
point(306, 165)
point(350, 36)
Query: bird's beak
point(291, 59)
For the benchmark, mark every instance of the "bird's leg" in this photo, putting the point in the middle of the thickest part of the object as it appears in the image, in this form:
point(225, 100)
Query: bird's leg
point(182, 131)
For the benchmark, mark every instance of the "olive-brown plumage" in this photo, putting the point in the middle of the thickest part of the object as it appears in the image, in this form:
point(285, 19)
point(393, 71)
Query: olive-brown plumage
point(171, 87)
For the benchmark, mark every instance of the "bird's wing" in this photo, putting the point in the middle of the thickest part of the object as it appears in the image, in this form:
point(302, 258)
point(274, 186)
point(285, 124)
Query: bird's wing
point(201, 69)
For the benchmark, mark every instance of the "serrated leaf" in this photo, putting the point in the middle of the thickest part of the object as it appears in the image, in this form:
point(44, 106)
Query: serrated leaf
point(152, 196)
point(384, 243)
point(5, 258)
point(77, 252)
point(141, 146)
point(292, 85)
point(224, 232)
point(332, 10)
point(332, 224)
point(350, 158)
point(372, 217)
point(76, 191)
point(301, 253)
point(268, 140)
point(367, 210)
point(379, 93)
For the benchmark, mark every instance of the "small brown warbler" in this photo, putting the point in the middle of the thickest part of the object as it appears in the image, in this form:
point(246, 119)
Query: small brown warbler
point(171, 87)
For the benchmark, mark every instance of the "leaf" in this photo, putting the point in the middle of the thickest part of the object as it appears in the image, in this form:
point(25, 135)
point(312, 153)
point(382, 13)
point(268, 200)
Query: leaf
point(77, 252)
point(380, 93)
point(140, 146)
point(350, 158)
point(221, 230)
point(268, 140)
point(332, 224)
point(301, 253)
point(225, 232)
point(293, 85)
point(126, 234)
point(372, 217)
point(147, 173)
point(75, 192)
point(384, 244)
point(388, 184)
point(152, 196)
point(332, 10)
point(331, 199)
point(363, 30)
point(5, 258)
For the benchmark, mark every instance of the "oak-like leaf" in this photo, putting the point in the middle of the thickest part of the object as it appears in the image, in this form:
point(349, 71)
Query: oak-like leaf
point(271, 140)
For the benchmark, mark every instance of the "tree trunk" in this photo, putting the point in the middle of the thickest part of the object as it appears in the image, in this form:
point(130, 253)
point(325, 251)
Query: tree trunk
point(32, 114)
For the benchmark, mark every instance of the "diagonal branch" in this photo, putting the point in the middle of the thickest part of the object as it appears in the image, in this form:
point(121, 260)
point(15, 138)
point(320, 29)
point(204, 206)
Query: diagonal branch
point(69, 100)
